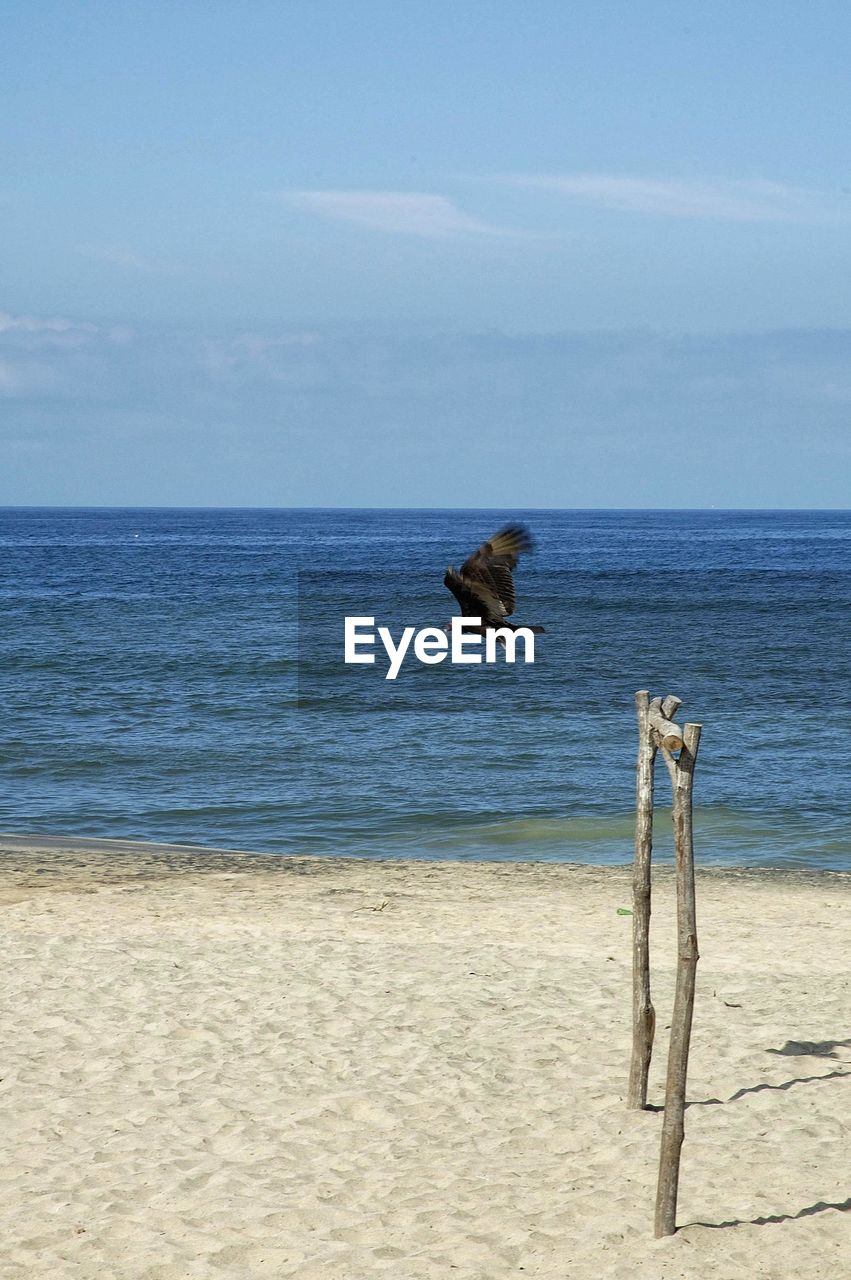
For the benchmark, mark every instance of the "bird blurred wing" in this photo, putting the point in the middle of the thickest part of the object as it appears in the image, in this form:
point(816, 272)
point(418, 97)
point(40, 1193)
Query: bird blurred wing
point(488, 570)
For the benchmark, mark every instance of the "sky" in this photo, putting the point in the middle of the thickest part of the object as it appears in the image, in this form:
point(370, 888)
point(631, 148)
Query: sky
point(557, 254)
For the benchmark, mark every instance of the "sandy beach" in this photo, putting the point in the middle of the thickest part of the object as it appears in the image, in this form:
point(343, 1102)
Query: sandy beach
point(225, 1066)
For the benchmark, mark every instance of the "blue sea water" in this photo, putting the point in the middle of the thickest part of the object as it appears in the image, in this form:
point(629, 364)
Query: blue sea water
point(150, 685)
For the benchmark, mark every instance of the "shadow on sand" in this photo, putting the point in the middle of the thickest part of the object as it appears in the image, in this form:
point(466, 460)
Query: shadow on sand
point(821, 1206)
point(811, 1048)
point(761, 1088)
point(792, 1049)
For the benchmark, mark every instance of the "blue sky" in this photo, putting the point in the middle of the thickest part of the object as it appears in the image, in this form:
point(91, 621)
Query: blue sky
point(550, 254)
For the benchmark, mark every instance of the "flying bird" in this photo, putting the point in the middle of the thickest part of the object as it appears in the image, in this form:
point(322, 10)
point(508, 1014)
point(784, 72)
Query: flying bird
point(484, 586)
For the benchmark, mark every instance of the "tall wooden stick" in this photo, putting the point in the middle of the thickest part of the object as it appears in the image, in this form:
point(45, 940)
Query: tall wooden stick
point(673, 1127)
point(643, 1013)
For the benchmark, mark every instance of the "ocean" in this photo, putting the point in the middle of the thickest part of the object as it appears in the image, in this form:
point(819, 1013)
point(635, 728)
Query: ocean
point(177, 676)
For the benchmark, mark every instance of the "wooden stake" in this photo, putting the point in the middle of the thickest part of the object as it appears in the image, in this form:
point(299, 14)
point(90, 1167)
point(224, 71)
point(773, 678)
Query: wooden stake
point(643, 1013)
point(673, 1127)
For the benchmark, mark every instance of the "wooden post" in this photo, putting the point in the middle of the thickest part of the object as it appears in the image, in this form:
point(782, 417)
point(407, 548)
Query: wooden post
point(673, 1127)
point(643, 1013)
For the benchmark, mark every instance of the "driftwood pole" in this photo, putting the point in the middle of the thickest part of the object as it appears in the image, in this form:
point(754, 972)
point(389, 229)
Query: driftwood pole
point(643, 1013)
point(655, 729)
point(673, 1127)
point(657, 732)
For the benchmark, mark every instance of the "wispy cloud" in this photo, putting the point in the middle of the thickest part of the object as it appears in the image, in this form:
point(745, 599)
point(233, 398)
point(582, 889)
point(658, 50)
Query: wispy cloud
point(56, 356)
point(410, 213)
point(730, 200)
point(42, 325)
point(265, 407)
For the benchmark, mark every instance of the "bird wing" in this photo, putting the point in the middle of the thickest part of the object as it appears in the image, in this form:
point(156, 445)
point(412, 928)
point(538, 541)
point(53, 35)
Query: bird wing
point(488, 571)
point(475, 598)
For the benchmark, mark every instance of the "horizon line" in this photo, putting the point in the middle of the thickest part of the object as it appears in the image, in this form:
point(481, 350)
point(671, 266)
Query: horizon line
point(56, 506)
